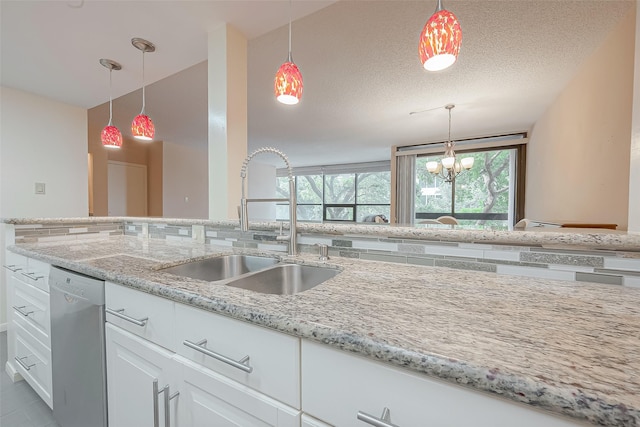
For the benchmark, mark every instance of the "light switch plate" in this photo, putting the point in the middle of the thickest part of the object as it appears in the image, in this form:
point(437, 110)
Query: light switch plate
point(40, 188)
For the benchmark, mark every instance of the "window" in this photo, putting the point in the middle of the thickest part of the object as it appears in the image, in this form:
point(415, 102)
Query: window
point(482, 195)
point(339, 196)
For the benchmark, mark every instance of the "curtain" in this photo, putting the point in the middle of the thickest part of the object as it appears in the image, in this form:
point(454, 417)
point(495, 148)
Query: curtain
point(405, 191)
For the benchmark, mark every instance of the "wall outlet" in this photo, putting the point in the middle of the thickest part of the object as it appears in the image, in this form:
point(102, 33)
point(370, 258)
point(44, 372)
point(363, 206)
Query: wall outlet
point(40, 188)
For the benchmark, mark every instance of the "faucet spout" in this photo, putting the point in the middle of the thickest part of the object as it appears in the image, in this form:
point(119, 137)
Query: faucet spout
point(244, 215)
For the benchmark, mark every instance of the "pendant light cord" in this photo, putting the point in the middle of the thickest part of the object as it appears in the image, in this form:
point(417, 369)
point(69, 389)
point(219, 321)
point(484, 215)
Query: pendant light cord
point(290, 7)
point(143, 97)
point(449, 125)
point(110, 99)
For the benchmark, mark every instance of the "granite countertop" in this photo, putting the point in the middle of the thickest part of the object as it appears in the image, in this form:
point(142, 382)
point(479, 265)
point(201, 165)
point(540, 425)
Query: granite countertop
point(569, 347)
point(576, 238)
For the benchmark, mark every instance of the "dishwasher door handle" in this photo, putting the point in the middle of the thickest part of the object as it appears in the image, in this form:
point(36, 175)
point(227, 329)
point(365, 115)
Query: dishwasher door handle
point(120, 313)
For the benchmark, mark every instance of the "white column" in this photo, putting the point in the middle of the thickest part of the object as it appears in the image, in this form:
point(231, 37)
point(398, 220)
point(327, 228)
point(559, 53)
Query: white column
point(227, 119)
point(634, 172)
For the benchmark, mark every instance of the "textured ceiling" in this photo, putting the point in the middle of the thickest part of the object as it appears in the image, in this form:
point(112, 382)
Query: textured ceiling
point(359, 61)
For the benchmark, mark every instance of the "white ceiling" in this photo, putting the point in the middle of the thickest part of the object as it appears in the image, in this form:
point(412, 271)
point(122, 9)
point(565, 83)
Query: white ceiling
point(359, 61)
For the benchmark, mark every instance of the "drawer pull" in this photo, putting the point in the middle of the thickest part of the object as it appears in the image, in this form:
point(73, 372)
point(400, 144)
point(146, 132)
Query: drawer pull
point(21, 310)
point(13, 267)
point(242, 364)
point(24, 365)
point(32, 275)
point(120, 313)
point(383, 421)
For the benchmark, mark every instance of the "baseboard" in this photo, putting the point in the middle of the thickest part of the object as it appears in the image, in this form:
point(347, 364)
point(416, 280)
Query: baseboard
point(3, 327)
point(11, 371)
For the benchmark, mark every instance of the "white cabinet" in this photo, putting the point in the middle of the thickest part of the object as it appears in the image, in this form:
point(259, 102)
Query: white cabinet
point(133, 366)
point(342, 389)
point(29, 323)
point(205, 391)
point(148, 316)
point(210, 399)
point(271, 359)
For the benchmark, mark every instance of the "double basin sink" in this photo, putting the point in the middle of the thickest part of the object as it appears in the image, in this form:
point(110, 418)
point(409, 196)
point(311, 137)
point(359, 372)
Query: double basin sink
point(255, 273)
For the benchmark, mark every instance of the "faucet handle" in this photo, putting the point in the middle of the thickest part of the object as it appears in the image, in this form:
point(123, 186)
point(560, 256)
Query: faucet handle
point(324, 252)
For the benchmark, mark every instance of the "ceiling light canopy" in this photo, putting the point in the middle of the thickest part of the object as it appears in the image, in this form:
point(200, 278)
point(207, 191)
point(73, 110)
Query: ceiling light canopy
point(440, 40)
point(288, 82)
point(142, 127)
point(111, 136)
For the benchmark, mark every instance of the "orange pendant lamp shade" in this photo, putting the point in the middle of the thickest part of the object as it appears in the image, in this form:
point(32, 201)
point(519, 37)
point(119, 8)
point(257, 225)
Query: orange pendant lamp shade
point(288, 84)
point(440, 40)
point(142, 128)
point(110, 135)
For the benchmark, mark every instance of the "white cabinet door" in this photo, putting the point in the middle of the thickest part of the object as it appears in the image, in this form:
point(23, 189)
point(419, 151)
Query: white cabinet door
point(133, 364)
point(209, 399)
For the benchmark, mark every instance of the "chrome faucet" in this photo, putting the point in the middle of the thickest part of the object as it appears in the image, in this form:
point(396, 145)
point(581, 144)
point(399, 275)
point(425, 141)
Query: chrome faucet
point(244, 216)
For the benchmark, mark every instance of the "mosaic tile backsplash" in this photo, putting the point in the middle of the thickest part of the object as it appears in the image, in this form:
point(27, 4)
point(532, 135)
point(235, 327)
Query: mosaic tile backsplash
point(598, 266)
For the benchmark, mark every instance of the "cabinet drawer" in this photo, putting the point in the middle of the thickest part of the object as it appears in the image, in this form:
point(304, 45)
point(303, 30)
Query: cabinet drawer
point(36, 274)
point(145, 315)
point(30, 307)
point(337, 386)
point(14, 263)
point(211, 399)
point(33, 362)
point(273, 357)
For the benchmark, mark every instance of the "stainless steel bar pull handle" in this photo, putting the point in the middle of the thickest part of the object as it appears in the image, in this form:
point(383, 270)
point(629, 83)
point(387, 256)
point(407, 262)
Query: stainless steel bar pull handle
point(383, 421)
point(13, 267)
point(24, 365)
point(32, 275)
point(120, 313)
point(156, 411)
point(22, 311)
point(167, 399)
point(242, 364)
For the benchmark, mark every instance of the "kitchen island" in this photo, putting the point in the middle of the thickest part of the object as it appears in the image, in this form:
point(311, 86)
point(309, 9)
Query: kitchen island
point(572, 348)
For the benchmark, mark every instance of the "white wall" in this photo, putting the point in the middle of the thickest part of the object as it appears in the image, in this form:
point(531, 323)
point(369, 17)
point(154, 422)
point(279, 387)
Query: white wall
point(185, 175)
point(40, 141)
point(634, 176)
point(578, 152)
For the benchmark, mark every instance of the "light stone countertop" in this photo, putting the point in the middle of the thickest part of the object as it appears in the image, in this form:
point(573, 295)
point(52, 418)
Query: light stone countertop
point(569, 347)
point(574, 238)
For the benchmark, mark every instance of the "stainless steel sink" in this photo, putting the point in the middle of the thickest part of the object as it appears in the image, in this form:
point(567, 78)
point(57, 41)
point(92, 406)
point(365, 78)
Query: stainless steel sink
point(222, 267)
point(284, 279)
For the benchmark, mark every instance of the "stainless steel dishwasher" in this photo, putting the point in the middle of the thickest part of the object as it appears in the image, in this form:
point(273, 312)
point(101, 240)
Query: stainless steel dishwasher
point(78, 349)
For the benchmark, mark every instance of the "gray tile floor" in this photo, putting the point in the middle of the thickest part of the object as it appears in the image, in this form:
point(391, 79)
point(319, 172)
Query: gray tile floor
point(20, 406)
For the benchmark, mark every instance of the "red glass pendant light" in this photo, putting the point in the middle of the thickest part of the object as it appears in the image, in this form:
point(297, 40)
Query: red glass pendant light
point(440, 40)
point(287, 85)
point(142, 127)
point(111, 136)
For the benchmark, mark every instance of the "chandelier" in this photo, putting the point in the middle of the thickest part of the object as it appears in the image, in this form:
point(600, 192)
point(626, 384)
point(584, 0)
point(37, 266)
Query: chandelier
point(449, 167)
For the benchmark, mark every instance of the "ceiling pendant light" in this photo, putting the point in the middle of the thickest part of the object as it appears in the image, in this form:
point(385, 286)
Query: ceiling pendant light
point(288, 81)
point(449, 167)
point(111, 136)
point(142, 127)
point(440, 40)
